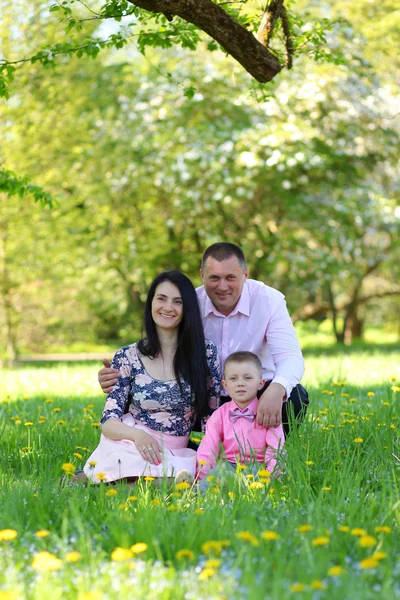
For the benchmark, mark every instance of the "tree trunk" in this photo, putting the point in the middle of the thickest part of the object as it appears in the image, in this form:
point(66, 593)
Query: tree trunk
point(354, 328)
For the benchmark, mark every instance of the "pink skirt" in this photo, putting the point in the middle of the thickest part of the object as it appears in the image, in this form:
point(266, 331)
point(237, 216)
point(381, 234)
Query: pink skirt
point(117, 459)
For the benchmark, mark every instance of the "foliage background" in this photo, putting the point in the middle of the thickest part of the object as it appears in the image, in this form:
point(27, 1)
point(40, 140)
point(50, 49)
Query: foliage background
point(153, 156)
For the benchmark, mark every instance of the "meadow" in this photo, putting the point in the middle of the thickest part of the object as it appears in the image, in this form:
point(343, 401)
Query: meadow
point(327, 529)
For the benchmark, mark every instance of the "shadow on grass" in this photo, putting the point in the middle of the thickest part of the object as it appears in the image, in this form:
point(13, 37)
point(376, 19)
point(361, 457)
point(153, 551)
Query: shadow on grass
point(355, 348)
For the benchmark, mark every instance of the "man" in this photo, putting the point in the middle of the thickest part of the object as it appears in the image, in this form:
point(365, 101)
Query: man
point(244, 314)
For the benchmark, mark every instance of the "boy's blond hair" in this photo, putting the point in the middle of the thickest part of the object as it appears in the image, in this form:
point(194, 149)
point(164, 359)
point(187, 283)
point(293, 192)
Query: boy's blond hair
point(244, 356)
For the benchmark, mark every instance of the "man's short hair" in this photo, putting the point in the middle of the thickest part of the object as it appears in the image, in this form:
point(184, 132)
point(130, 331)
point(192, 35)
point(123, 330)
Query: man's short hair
point(244, 356)
point(222, 251)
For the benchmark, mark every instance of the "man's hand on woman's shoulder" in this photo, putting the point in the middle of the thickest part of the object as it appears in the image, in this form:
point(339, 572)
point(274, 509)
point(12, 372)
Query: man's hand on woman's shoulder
point(107, 377)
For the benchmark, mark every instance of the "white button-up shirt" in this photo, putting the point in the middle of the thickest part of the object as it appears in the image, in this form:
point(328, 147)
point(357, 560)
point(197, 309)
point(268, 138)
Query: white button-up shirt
point(259, 323)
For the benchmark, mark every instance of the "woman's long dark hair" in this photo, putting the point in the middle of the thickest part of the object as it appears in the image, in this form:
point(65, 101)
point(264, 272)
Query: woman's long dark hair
point(190, 361)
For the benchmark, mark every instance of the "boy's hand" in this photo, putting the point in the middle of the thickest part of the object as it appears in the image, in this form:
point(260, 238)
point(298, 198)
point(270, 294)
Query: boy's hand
point(107, 377)
point(269, 411)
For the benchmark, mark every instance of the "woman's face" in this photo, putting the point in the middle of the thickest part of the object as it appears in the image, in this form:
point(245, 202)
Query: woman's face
point(167, 306)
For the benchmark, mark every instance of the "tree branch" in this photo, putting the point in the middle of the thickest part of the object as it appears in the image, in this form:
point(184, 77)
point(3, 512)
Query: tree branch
point(213, 20)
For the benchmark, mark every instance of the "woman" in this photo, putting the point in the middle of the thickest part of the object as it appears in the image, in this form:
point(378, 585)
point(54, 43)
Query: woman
point(168, 379)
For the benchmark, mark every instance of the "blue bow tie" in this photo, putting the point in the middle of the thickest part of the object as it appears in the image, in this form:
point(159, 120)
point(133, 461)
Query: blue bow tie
point(246, 414)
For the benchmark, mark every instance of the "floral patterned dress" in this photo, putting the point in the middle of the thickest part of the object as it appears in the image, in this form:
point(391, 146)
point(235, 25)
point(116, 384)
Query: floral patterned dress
point(161, 408)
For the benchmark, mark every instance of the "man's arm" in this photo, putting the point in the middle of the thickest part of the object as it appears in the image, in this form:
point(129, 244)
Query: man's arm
point(107, 376)
point(289, 366)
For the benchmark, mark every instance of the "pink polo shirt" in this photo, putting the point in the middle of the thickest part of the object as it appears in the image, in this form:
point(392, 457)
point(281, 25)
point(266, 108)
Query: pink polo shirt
point(243, 441)
point(259, 323)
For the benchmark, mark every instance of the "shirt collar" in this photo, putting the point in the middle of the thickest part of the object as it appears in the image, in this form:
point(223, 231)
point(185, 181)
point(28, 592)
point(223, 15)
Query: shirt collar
point(252, 406)
point(243, 305)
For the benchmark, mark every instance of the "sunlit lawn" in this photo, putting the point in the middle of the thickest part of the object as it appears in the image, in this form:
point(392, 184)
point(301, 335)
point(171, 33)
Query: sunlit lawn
point(328, 529)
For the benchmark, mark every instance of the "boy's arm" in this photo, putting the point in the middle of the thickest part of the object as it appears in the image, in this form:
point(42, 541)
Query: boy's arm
point(207, 452)
point(275, 439)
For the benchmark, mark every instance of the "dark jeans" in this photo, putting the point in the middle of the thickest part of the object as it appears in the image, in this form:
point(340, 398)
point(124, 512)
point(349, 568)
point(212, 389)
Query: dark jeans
point(293, 410)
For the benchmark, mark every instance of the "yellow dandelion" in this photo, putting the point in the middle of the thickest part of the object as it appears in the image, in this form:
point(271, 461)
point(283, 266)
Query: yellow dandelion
point(111, 492)
point(210, 478)
point(95, 424)
point(231, 495)
point(370, 394)
point(270, 535)
point(305, 528)
point(156, 502)
point(77, 455)
point(8, 595)
point(250, 476)
point(101, 476)
point(89, 406)
point(241, 467)
point(73, 557)
point(211, 547)
point(309, 463)
point(317, 585)
point(56, 409)
point(139, 548)
point(322, 540)
point(358, 440)
point(49, 400)
point(92, 463)
point(358, 531)
point(7, 534)
point(44, 561)
point(297, 587)
point(264, 473)
point(60, 422)
point(246, 536)
point(123, 506)
point(335, 571)
point(132, 498)
point(183, 485)
point(383, 529)
point(69, 468)
point(395, 388)
point(369, 563)
point(206, 573)
point(28, 424)
point(185, 554)
point(199, 511)
point(202, 462)
point(344, 528)
point(256, 485)
point(326, 489)
point(149, 478)
point(42, 533)
point(121, 554)
point(367, 541)
point(213, 563)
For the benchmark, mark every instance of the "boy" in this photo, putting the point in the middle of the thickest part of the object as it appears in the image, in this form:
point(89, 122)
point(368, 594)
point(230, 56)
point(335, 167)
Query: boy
point(233, 425)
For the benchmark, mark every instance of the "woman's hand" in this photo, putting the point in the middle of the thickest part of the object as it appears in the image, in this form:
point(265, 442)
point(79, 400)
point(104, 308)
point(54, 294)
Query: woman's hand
point(148, 447)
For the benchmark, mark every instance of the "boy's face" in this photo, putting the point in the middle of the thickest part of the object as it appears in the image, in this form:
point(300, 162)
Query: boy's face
point(242, 381)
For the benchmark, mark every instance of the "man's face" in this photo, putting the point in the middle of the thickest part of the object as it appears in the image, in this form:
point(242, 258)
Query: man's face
point(223, 282)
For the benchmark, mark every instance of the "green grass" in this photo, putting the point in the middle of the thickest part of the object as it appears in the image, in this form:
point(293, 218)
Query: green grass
point(331, 482)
